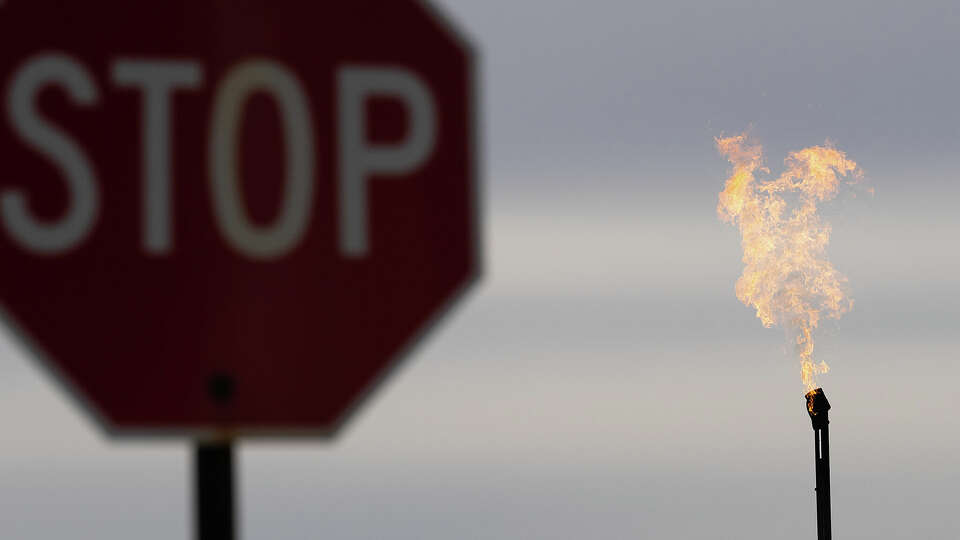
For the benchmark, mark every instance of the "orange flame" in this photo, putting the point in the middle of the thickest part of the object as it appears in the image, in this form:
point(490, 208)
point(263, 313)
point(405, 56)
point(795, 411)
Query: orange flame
point(787, 277)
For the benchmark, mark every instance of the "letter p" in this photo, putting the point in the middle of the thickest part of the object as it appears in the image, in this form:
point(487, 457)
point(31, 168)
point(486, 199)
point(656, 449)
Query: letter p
point(359, 159)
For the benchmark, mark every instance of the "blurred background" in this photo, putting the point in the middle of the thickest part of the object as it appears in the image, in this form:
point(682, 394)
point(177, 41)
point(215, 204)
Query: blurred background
point(603, 381)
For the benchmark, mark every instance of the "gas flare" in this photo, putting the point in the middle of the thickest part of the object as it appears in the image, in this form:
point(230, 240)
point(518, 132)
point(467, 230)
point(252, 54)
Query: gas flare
point(787, 277)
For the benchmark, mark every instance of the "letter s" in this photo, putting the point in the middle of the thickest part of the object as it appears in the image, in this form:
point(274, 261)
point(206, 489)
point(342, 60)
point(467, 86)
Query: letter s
point(48, 140)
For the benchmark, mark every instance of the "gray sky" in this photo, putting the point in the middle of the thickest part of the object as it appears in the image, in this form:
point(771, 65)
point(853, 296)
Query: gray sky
point(604, 382)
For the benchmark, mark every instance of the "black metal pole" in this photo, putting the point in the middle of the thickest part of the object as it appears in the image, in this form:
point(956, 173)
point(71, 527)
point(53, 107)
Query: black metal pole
point(213, 462)
point(818, 407)
point(823, 483)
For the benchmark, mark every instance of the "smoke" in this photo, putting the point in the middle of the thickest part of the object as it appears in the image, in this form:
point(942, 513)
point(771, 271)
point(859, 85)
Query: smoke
point(787, 277)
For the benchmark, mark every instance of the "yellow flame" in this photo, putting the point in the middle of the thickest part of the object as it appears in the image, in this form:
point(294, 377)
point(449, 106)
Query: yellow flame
point(787, 277)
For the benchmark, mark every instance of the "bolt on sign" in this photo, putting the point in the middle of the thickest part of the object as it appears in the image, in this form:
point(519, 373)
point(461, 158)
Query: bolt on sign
point(232, 216)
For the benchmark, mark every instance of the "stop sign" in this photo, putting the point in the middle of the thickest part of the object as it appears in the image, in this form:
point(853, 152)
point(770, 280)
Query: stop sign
point(232, 215)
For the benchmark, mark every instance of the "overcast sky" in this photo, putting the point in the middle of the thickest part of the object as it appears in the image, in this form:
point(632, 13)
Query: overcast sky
point(603, 381)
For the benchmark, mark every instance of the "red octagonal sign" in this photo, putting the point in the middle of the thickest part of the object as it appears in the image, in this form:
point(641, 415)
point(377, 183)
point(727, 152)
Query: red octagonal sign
point(232, 215)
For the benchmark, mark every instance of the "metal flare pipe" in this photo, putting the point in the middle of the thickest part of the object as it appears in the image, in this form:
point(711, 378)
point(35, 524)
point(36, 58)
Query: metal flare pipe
point(817, 408)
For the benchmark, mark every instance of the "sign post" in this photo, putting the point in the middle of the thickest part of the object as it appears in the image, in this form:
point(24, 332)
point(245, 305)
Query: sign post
point(214, 492)
point(232, 219)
